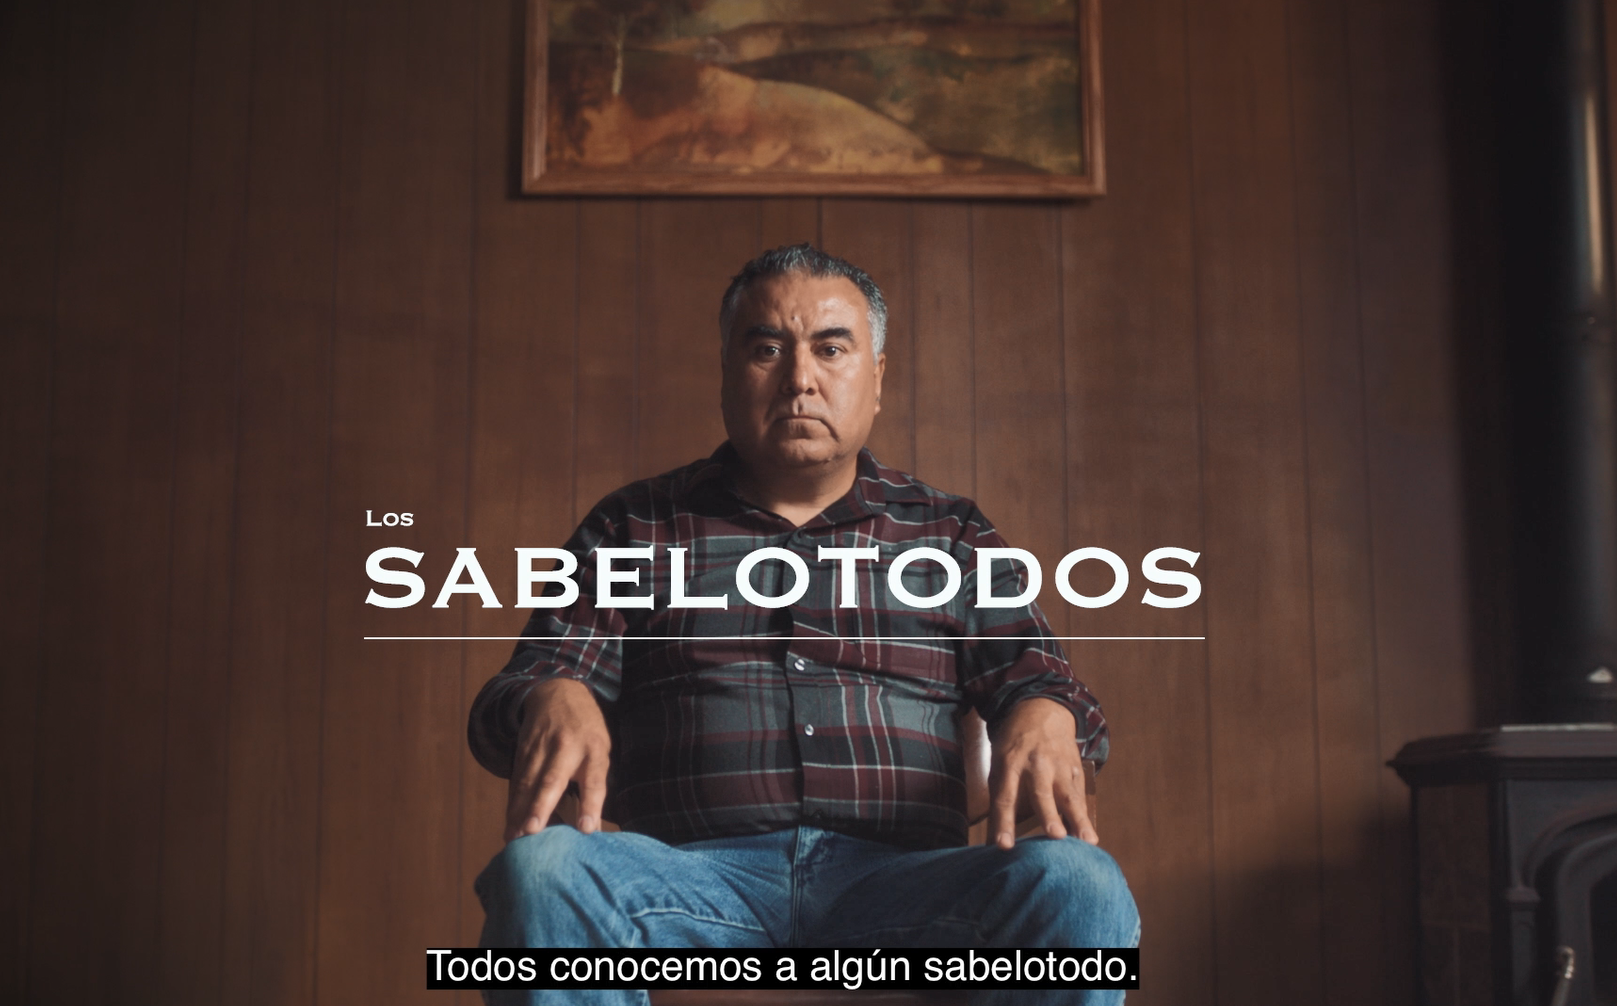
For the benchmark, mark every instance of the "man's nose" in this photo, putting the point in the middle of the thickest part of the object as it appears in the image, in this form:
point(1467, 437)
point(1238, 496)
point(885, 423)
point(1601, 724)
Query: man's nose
point(799, 376)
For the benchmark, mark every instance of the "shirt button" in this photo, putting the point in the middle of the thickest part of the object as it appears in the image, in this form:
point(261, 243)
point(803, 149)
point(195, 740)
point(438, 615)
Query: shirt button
point(798, 664)
point(808, 729)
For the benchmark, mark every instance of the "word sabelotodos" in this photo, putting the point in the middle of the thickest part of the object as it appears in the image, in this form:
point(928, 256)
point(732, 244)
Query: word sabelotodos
point(467, 577)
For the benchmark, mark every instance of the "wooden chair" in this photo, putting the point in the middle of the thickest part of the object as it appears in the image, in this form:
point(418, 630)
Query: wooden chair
point(979, 756)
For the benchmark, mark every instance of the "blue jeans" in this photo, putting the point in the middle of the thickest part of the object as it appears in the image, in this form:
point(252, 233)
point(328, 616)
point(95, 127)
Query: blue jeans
point(801, 887)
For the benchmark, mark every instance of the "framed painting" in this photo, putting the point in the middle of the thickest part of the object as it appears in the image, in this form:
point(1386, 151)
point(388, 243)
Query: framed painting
point(814, 97)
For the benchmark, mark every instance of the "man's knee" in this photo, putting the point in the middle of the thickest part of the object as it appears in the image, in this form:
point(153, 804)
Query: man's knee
point(550, 889)
point(1077, 888)
point(542, 865)
point(1072, 864)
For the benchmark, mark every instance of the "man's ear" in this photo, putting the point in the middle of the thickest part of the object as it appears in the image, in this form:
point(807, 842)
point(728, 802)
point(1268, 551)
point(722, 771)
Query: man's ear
point(881, 368)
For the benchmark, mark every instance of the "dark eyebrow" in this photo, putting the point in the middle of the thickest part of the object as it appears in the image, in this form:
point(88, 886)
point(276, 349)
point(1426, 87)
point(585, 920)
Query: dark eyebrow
point(761, 332)
point(770, 332)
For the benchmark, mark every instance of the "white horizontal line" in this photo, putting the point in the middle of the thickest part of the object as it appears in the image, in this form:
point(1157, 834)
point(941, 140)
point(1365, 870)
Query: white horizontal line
point(670, 639)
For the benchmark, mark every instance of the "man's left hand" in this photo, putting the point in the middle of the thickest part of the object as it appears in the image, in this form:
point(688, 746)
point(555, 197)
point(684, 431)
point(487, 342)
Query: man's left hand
point(1036, 758)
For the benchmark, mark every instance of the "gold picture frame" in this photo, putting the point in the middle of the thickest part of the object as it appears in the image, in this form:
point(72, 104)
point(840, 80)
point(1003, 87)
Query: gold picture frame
point(777, 108)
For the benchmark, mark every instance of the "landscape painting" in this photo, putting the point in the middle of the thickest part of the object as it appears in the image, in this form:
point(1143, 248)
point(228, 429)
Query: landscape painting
point(923, 97)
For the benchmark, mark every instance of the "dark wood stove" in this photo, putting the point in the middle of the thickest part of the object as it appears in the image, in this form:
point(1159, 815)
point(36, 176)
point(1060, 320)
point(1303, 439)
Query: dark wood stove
point(1516, 848)
point(1516, 827)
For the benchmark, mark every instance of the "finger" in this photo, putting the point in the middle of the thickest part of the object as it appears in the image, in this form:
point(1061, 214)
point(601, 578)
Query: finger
point(1002, 812)
point(520, 796)
point(552, 787)
point(1076, 809)
point(1045, 798)
point(592, 794)
point(523, 818)
point(1086, 827)
point(514, 804)
point(531, 811)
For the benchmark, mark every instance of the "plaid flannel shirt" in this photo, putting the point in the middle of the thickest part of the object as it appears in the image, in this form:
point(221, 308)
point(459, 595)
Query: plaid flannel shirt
point(747, 719)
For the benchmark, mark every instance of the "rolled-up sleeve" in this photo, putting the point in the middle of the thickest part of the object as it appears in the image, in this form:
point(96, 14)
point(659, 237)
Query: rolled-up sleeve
point(579, 641)
point(1026, 661)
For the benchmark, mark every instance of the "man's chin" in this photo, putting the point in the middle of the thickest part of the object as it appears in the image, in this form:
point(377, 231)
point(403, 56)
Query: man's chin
point(798, 453)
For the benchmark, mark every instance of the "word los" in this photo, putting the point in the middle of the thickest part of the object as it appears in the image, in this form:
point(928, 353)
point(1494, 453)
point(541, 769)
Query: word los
point(467, 577)
point(783, 969)
point(390, 520)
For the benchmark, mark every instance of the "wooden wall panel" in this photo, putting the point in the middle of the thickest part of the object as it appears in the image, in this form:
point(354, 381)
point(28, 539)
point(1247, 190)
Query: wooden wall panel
point(523, 361)
point(1134, 484)
point(1408, 291)
point(875, 235)
point(391, 734)
point(203, 511)
point(607, 362)
point(1017, 391)
point(278, 576)
point(943, 367)
point(1261, 689)
point(1341, 591)
point(276, 247)
point(787, 222)
point(689, 249)
point(118, 307)
point(30, 108)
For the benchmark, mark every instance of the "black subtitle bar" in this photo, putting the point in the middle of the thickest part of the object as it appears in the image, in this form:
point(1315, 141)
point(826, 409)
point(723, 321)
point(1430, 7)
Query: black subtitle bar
point(466, 968)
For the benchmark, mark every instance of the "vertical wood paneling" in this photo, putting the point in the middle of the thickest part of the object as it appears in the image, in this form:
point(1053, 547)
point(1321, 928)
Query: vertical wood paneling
point(1352, 909)
point(943, 363)
point(1017, 390)
point(100, 747)
point(391, 735)
point(1260, 647)
point(278, 581)
point(787, 222)
point(689, 249)
point(875, 236)
point(608, 380)
point(1407, 296)
point(1133, 485)
point(30, 115)
point(263, 271)
point(522, 409)
point(196, 738)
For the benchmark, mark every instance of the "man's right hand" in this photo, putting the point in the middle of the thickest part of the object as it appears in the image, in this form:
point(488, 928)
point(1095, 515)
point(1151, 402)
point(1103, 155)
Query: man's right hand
point(564, 740)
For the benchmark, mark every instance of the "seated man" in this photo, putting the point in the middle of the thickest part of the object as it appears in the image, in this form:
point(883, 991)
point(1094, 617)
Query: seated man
point(786, 766)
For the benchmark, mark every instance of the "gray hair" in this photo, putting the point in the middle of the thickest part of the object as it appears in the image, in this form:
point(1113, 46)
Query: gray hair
point(804, 258)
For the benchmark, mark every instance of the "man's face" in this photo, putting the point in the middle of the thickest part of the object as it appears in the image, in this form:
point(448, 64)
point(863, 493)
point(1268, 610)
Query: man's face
point(800, 386)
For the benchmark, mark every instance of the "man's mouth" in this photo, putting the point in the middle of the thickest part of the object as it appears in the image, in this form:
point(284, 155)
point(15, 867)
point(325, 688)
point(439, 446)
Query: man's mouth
point(801, 427)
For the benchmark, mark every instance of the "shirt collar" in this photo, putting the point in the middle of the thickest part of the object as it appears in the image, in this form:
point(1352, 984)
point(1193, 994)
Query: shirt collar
point(873, 485)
